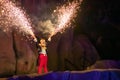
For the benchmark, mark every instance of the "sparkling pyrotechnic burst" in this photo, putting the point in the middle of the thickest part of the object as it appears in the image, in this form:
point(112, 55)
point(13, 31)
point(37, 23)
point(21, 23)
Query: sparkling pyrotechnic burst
point(13, 17)
point(65, 15)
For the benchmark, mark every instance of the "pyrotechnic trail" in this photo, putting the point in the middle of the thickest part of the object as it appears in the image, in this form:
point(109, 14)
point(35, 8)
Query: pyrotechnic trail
point(65, 15)
point(13, 17)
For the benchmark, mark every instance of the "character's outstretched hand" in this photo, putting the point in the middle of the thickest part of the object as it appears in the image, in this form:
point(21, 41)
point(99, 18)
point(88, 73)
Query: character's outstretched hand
point(35, 40)
point(49, 39)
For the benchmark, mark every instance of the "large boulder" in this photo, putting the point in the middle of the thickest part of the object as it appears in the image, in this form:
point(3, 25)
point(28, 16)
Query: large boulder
point(7, 54)
point(26, 56)
point(105, 64)
point(70, 52)
point(17, 54)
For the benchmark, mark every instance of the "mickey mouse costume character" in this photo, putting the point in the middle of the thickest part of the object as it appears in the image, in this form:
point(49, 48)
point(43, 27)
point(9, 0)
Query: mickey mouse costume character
point(42, 58)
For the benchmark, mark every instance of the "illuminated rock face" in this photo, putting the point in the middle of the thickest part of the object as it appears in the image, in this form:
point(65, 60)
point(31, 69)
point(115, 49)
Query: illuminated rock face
point(7, 54)
point(26, 57)
point(16, 55)
point(65, 52)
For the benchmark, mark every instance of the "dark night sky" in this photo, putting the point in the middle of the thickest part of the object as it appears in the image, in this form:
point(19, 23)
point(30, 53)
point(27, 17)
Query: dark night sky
point(100, 20)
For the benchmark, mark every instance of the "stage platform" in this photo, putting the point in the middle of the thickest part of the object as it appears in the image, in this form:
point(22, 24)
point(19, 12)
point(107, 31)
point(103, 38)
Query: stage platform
point(96, 74)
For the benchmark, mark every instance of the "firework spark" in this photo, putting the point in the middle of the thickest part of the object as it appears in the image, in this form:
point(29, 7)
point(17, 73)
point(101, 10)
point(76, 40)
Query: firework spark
point(13, 17)
point(65, 16)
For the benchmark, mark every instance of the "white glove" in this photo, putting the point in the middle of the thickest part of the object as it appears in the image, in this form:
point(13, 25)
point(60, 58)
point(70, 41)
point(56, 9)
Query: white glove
point(35, 40)
point(49, 39)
